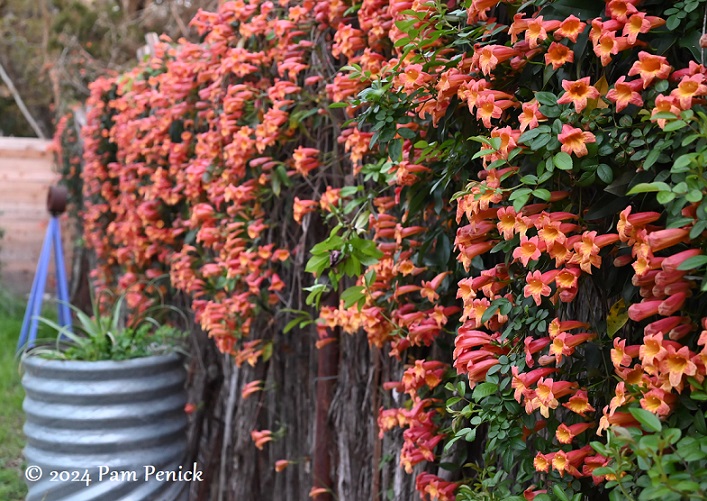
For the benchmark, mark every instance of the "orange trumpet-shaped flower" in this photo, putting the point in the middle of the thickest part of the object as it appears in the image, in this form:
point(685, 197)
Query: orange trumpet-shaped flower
point(489, 56)
point(591, 463)
point(567, 278)
point(469, 252)
point(469, 338)
point(522, 381)
point(578, 92)
point(506, 221)
point(652, 351)
point(565, 434)
point(550, 231)
point(625, 93)
point(672, 304)
point(579, 403)
point(620, 10)
point(564, 344)
point(678, 363)
point(575, 140)
point(650, 67)
point(429, 289)
point(542, 462)
point(487, 108)
point(620, 398)
point(638, 23)
point(662, 239)
point(300, 208)
point(629, 223)
point(558, 326)
point(405, 289)
point(643, 310)
point(546, 394)
point(305, 159)
point(252, 387)
point(528, 250)
point(570, 28)
point(622, 355)
point(533, 346)
point(536, 30)
point(587, 251)
point(530, 116)
point(607, 45)
point(624, 419)
point(658, 402)
point(664, 325)
point(664, 103)
point(671, 263)
point(561, 253)
point(689, 88)
point(537, 286)
point(561, 463)
point(261, 437)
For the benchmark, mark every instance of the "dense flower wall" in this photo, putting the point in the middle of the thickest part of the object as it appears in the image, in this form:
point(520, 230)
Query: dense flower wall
point(508, 197)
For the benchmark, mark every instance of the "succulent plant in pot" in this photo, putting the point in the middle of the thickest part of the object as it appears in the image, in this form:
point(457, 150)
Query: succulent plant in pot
point(104, 408)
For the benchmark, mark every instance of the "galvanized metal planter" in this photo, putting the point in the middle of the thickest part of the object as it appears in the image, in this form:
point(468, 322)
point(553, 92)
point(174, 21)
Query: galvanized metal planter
point(95, 429)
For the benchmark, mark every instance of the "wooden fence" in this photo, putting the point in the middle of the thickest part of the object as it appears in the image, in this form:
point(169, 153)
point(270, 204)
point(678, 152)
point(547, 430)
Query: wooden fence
point(26, 172)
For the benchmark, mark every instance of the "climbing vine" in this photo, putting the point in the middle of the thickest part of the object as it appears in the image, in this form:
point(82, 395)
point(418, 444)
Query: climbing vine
point(508, 197)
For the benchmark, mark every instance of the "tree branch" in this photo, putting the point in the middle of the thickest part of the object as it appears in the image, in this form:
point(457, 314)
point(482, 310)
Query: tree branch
point(20, 103)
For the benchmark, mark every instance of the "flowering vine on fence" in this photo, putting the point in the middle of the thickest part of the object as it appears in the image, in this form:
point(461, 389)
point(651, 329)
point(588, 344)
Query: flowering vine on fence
point(514, 208)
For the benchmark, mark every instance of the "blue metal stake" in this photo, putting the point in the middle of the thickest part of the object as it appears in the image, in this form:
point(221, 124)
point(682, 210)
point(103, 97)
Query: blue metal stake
point(30, 323)
point(61, 282)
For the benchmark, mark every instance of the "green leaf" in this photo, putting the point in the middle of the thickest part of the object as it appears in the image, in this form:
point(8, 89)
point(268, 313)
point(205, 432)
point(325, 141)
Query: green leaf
point(315, 294)
point(697, 230)
point(402, 41)
point(482, 153)
point(406, 133)
point(519, 193)
point(560, 493)
point(546, 98)
point(648, 188)
point(562, 161)
point(520, 202)
point(665, 197)
point(648, 420)
point(529, 135)
point(353, 295)
point(692, 263)
point(395, 149)
point(483, 390)
point(317, 264)
point(651, 158)
point(694, 196)
point(542, 194)
point(682, 164)
point(605, 173)
point(674, 125)
point(664, 115)
point(292, 324)
point(490, 311)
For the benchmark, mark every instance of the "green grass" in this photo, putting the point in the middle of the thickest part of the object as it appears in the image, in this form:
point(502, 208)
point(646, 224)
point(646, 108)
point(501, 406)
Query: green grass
point(12, 486)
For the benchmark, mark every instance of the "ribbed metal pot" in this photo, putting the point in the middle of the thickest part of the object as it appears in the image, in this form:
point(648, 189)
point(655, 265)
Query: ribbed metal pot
point(102, 419)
